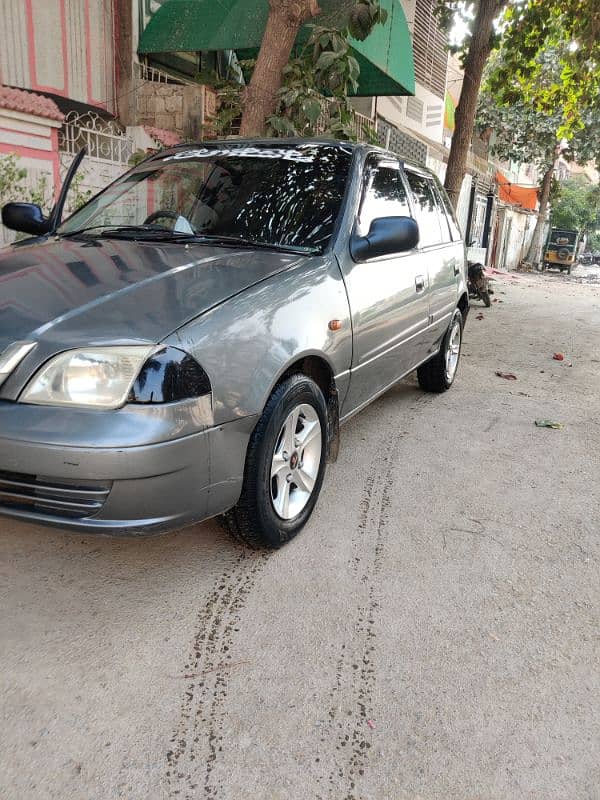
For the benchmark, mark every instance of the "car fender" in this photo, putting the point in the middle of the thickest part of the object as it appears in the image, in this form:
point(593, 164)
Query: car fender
point(251, 340)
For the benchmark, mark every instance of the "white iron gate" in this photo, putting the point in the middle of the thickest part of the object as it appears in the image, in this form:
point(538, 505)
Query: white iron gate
point(108, 152)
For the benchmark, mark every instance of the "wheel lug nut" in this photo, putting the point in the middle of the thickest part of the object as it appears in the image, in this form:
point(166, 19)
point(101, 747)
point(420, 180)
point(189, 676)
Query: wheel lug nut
point(286, 455)
point(289, 479)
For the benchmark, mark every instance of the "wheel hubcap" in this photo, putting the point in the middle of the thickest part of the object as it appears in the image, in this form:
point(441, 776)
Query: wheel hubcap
point(296, 461)
point(453, 351)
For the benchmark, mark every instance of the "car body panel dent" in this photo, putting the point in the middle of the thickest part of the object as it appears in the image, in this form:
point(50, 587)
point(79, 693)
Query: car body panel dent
point(246, 344)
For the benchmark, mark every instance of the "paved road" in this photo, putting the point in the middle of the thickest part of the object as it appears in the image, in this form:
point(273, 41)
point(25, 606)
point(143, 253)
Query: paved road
point(432, 634)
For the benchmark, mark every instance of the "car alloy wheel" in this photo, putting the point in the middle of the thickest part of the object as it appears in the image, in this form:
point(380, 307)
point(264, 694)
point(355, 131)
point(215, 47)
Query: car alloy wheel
point(296, 461)
point(285, 465)
point(453, 350)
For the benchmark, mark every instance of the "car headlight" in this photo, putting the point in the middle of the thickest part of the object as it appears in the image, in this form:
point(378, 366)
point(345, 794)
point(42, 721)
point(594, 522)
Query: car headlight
point(96, 377)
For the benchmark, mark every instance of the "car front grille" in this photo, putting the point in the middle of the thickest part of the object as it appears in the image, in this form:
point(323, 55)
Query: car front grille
point(74, 499)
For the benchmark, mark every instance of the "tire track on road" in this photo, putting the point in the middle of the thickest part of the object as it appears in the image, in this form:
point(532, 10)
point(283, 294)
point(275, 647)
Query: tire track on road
point(198, 737)
point(352, 693)
point(355, 677)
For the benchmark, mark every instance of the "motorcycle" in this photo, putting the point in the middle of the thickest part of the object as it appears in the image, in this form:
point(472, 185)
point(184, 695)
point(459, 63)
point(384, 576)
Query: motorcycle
point(477, 283)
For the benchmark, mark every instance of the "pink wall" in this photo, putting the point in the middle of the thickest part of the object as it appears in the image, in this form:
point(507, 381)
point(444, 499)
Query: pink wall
point(47, 158)
point(64, 47)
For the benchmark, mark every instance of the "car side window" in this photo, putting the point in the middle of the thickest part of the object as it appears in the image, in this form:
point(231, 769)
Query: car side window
point(384, 196)
point(427, 212)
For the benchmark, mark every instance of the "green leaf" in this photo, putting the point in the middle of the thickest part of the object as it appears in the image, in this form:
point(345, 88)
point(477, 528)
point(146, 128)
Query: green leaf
point(353, 68)
point(282, 126)
point(360, 21)
point(312, 110)
point(326, 60)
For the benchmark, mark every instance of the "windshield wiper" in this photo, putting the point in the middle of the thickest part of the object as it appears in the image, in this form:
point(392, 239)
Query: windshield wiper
point(160, 233)
point(122, 230)
point(240, 241)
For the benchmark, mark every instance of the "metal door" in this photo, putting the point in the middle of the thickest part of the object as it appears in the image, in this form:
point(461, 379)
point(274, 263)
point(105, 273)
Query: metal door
point(441, 251)
point(388, 295)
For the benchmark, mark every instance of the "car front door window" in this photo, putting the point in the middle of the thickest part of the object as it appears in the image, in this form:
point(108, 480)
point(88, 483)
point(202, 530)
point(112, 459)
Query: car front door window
point(385, 196)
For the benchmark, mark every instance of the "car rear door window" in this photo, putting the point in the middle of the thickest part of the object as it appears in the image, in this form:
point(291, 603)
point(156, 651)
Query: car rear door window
point(384, 196)
point(427, 212)
point(446, 206)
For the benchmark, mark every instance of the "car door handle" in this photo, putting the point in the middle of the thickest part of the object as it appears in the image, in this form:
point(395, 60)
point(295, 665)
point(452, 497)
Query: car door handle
point(456, 267)
point(420, 283)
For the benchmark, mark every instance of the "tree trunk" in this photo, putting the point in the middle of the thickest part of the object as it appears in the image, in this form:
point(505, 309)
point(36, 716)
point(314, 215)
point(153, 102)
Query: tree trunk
point(124, 47)
point(260, 99)
point(477, 56)
point(533, 254)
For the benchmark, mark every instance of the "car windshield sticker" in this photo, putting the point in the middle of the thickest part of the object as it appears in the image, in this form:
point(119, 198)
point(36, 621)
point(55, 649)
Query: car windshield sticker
point(284, 153)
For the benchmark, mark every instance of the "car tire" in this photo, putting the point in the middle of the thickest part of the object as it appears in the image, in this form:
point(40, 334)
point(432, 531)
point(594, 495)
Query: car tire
point(294, 415)
point(437, 374)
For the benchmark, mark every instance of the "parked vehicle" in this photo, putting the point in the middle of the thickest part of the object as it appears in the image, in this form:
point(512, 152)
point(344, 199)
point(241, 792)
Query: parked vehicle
point(561, 249)
point(477, 283)
point(187, 343)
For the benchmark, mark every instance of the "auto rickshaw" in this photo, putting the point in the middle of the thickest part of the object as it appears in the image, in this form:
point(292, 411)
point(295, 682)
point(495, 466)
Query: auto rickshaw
point(561, 249)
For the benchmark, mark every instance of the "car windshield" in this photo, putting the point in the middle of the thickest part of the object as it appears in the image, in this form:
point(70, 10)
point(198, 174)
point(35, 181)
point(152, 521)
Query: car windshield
point(564, 238)
point(286, 196)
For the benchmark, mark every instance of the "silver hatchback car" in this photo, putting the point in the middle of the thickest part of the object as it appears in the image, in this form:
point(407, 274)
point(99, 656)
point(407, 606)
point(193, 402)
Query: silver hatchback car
point(188, 343)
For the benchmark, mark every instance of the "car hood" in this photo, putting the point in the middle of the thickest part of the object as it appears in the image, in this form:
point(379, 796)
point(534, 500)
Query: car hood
point(79, 292)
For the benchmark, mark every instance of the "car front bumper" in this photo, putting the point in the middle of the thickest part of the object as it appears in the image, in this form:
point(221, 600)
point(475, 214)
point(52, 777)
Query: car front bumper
point(140, 487)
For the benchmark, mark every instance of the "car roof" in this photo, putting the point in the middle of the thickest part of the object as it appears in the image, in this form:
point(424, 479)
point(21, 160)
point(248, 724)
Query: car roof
point(281, 143)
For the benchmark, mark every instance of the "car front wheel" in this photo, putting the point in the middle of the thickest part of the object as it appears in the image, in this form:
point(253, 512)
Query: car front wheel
point(285, 466)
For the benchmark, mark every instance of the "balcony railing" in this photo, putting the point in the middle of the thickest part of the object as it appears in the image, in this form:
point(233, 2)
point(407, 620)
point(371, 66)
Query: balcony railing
point(145, 72)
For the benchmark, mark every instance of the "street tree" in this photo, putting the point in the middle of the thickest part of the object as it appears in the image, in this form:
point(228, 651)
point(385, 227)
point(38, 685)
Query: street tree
point(577, 207)
point(521, 133)
point(518, 133)
point(570, 29)
point(285, 19)
point(476, 50)
point(526, 29)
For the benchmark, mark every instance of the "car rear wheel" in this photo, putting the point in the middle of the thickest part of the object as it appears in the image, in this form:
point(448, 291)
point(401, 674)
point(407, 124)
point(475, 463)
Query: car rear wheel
point(437, 374)
point(285, 466)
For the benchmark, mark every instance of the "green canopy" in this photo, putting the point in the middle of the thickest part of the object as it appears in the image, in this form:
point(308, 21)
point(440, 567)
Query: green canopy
point(385, 57)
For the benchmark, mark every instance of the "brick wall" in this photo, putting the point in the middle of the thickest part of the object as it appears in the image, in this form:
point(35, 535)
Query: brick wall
point(159, 105)
point(173, 107)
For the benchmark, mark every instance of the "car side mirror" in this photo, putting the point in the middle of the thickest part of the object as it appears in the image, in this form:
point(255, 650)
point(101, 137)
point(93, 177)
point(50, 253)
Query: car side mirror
point(26, 218)
point(386, 236)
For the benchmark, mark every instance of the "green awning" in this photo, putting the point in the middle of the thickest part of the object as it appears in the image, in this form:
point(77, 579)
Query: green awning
point(385, 57)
